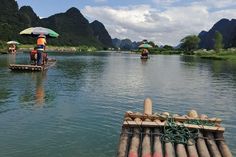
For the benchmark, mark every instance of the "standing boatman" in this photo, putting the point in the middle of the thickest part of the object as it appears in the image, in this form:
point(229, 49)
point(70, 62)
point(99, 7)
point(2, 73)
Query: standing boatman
point(41, 43)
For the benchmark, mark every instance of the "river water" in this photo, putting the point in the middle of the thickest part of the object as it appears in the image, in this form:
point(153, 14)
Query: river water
point(76, 108)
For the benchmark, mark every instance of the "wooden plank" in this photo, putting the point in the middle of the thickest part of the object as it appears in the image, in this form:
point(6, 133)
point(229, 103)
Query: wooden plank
point(154, 124)
point(177, 118)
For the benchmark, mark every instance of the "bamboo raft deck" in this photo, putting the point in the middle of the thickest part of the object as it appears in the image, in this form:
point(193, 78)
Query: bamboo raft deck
point(28, 67)
point(142, 135)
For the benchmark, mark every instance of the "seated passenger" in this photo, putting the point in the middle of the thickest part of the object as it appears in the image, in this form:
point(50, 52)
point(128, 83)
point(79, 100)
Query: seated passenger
point(33, 56)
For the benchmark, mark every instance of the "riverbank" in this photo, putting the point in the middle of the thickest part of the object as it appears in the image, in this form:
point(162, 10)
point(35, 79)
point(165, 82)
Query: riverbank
point(50, 48)
point(228, 54)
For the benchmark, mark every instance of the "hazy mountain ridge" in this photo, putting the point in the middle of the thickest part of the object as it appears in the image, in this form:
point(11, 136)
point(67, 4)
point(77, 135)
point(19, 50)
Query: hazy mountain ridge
point(125, 44)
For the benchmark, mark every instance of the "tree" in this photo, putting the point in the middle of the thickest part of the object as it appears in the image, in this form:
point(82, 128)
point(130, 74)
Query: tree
point(218, 42)
point(168, 47)
point(190, 43)
point(152, 43)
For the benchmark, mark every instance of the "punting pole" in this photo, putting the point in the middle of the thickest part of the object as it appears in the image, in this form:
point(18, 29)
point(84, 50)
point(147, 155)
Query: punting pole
point(225, 151)
point(157, 142)
point(214, 151)
point(201, 145)
point(134, 146)
point(123, 143)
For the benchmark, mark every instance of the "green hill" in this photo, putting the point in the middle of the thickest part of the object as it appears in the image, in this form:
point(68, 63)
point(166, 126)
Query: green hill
point(73, 27)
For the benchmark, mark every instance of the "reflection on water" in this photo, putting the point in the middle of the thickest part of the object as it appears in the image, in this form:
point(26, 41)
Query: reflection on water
point(11, 59)
point(39, 93)
point(33, 91)
point(144, 61)
point(78, 105)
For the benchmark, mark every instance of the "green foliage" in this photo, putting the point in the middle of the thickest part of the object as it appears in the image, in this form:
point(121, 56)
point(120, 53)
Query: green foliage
point(168, 47)
point(168, 50)
point(224, 54)
point(218, 42)
point(152, 43)
point(2, 45)
point(190, 43)
point(73, 28)
point(84, 48)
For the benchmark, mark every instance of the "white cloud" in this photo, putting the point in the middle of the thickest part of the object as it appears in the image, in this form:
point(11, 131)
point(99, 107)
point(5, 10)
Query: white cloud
point(166, 26)
point(216, 4)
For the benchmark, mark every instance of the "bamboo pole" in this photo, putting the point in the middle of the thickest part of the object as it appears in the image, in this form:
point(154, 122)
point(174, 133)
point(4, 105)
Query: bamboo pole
point(180, 150)
point(212, 147)
point(224, 149)
point(122, 149)
point(193, 126)
point(202, 148)
point(169, 150)
point(146, 145)
point(191, 147)
point(147, 106)
point(135, 141)
point(157, 144)
point(177, 118)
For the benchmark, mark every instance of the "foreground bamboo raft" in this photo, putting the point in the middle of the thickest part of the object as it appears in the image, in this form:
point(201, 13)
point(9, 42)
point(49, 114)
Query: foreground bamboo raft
point(27, 67)
point(145, 135)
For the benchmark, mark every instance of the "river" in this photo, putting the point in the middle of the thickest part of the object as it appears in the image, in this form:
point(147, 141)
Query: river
point(76, 108)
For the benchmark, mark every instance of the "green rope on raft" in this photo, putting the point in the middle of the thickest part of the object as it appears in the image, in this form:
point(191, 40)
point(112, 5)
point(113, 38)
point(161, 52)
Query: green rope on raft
point(199, 122)
point(178, 134)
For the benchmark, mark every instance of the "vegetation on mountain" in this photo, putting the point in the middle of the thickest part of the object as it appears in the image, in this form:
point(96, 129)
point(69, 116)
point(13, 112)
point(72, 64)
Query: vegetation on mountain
point(101, 34)
point(226, 27)
point(73, 27)
point(218, 42)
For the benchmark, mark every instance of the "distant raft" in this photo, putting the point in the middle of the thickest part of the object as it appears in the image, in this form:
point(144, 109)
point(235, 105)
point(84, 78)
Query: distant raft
point(144, 57)
point(28, 67)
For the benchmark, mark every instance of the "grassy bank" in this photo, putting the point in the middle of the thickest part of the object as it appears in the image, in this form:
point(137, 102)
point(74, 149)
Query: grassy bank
point(227, 54)
point(161, 51)
point(50, 48)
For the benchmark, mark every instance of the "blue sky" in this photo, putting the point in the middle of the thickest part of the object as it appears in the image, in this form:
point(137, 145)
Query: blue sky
point(162, 21)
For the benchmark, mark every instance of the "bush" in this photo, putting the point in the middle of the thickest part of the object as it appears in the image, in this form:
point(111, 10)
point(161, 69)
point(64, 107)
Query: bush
point(2, 45)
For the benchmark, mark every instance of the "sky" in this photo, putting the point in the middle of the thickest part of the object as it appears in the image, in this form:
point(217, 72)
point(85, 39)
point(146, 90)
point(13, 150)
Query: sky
point(164, 22)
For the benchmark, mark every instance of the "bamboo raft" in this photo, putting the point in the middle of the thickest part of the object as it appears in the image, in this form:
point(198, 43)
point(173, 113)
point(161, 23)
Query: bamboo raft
point(144, 57)
point(142, 135)
point(28, 67)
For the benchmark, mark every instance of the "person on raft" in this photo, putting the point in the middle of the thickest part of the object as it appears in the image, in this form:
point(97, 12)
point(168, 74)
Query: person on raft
point(41, 54)
point(145, 52)
point(33, 56)
point(12, 49)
